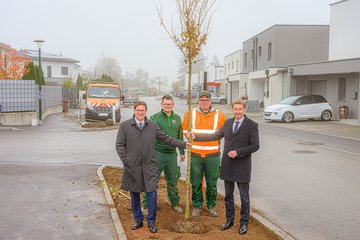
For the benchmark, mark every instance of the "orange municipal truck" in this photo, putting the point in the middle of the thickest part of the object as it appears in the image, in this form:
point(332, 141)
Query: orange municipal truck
point(101, 100)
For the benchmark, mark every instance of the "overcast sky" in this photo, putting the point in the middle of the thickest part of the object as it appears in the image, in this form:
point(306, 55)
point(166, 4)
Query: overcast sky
point(130, 31)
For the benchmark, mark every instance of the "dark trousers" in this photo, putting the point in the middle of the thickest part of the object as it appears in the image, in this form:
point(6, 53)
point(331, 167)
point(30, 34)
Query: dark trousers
point(245, 201)
point(136, 206)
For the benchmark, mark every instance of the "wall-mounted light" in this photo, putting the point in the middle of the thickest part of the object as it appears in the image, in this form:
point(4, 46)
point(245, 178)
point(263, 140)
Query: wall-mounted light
point(291, 71)
point(267, 73)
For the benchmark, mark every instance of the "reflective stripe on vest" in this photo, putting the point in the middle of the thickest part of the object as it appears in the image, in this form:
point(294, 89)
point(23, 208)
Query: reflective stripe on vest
point(203, 131)
point(205, 147)
point(194, 120)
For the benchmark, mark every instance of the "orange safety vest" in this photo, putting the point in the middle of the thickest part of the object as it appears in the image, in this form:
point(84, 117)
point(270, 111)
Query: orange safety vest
point(201, 123)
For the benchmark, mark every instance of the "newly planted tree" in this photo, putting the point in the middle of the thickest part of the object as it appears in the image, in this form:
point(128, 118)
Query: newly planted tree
point(194, 20)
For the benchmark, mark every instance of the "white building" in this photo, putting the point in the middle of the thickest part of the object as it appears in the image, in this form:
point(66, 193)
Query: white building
point(236, 80)
point(338, 78)
point(56, 68)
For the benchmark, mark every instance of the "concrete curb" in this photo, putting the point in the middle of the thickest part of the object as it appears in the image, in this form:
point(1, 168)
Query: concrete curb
point(120, 230)
point(276, 229)
point(10, 129)
point(114, 214)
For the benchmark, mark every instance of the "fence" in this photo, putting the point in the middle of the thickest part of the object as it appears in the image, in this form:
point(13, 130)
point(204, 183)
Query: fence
point(22, 96)
point(72, 95)
point(18, 95)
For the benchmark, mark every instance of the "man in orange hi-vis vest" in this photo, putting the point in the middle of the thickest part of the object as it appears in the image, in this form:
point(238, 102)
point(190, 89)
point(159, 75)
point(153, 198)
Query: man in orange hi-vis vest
point(205, 155)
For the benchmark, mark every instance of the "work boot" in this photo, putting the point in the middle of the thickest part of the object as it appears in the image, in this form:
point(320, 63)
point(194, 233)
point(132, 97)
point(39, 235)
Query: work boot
point(196, 212)
point(178, 209)
point(213, 212)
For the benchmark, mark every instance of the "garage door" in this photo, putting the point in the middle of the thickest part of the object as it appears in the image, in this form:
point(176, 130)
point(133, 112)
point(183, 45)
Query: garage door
point(319, 87)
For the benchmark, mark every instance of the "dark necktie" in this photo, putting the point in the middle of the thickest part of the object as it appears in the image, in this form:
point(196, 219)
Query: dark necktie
point(236, 127)
point(140, 125)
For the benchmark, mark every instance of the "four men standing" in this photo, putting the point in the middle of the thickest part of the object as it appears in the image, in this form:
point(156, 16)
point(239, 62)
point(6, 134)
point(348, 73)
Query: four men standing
point(138, 138)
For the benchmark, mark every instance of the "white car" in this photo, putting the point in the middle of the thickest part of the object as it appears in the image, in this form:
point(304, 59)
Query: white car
point(299, 107)
point(221, 99)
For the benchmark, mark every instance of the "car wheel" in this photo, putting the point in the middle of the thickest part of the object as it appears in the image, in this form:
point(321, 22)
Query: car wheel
point(288, 117)
point(222, 101)
point(326, 115)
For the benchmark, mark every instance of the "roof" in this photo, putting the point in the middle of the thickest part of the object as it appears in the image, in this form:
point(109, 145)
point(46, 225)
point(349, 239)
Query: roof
point(34, 55)
point(339, 66)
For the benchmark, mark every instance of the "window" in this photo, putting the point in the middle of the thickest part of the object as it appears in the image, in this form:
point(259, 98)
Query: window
point(269, 52)
point(48, 69)
point(259, 51)
point(342, 89)
point(319, 99)
point(64, 71)
point(232, 65)
point(252, 53)
point(237, 65)
point(245, 60)
point(228, 66)
point(304, 100)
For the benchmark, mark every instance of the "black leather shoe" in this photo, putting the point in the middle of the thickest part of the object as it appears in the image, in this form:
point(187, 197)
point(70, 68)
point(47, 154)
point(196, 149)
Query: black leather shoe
point(137, 225)
point(227, 225)
point(243, 229)
point(153, 228)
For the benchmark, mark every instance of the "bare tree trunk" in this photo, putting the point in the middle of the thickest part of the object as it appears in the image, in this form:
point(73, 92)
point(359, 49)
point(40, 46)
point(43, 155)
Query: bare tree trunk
point(188, 167)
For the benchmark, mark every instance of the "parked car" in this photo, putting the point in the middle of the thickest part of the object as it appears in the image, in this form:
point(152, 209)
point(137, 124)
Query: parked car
point(299, 107)
point(221, 99)
point(130, 101)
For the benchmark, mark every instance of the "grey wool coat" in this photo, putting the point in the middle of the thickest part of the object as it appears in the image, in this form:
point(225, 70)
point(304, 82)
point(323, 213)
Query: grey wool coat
point(245, 141)
point(136, 149)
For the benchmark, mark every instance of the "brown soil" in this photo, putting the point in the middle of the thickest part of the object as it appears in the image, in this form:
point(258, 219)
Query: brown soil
point(167, 217)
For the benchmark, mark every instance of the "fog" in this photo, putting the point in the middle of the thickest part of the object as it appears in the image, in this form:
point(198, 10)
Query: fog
point(130, 31)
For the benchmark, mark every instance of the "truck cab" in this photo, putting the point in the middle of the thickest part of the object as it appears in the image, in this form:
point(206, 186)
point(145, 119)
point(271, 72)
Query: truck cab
point(101, 99)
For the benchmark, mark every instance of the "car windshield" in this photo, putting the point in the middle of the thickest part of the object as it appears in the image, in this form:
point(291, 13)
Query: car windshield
point(103, 92)
point(289, 100)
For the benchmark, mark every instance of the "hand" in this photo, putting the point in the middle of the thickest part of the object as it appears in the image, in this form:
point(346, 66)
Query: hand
point(187, 145)
point(182, 158)
point(190, 134)
point(232, 154)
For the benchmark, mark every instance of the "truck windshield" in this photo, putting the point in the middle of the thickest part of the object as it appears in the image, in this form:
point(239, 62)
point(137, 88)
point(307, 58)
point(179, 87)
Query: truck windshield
point(103, 92)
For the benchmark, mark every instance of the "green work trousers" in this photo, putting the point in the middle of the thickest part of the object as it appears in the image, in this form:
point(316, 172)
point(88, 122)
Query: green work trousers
point(208, 167)
point(167, 162)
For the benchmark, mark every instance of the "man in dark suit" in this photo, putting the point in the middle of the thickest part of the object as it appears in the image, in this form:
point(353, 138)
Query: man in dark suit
point(241, 140)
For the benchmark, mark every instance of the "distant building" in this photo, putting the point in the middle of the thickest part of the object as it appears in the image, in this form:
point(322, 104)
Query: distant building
point(338, 77)
point(267, 54)
point(56, 68)
point(236, 80)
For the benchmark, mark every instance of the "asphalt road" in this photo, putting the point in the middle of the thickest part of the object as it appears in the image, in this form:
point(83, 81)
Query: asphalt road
point(306, 183)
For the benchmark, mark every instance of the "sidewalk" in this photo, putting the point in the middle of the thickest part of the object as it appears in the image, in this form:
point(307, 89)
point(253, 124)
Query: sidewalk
point(336, 128)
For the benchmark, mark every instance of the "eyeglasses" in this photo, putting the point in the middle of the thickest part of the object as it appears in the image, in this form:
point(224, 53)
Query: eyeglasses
point(204, 100)
point(167, 104)
point(140, 111)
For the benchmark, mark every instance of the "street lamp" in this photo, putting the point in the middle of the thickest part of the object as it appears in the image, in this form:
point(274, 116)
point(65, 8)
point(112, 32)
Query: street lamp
point(39, 43)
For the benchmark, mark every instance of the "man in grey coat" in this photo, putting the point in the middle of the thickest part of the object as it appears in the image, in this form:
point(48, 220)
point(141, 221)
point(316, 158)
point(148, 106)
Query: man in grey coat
point(241, 140)
point(135, 145)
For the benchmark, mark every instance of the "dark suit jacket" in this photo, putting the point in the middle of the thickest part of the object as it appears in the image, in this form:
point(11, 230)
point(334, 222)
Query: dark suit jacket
point(245, 141)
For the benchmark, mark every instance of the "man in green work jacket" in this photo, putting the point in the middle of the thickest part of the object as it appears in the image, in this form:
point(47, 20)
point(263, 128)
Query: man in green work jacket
point(166, 156)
